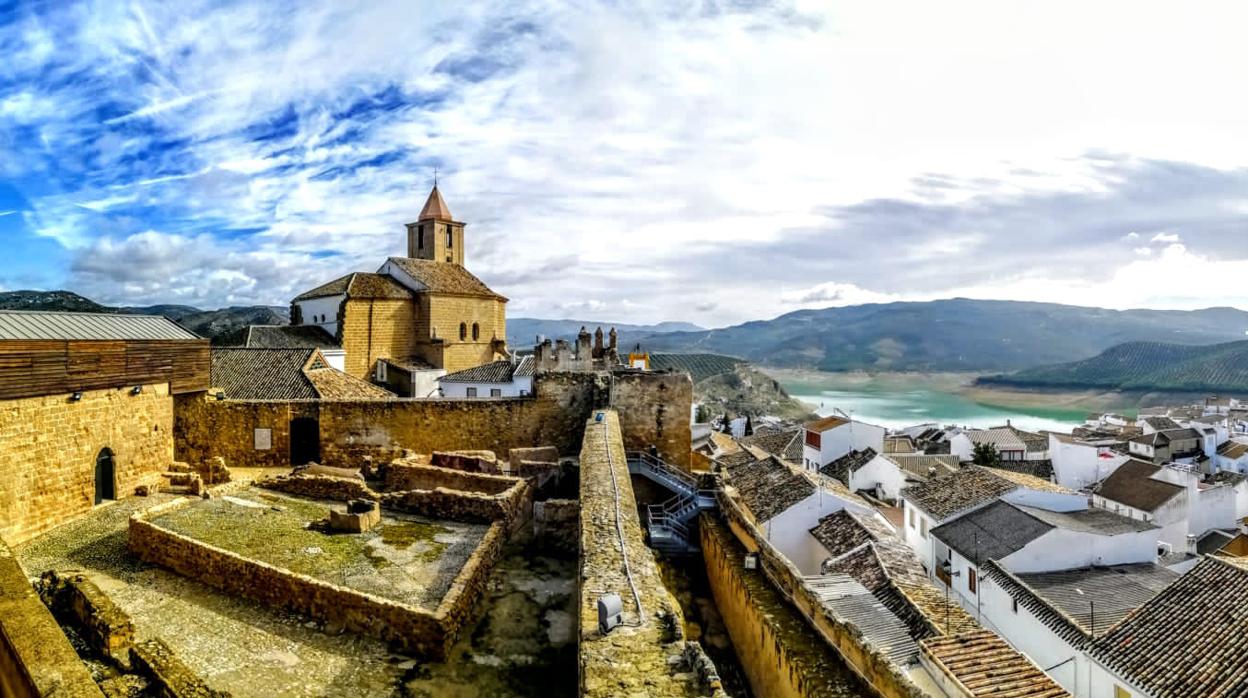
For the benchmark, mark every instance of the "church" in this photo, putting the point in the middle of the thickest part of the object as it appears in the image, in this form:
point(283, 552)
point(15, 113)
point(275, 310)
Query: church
point(418, 317)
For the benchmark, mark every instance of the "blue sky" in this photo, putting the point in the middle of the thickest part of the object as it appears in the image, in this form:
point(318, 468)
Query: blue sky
point(705, 161)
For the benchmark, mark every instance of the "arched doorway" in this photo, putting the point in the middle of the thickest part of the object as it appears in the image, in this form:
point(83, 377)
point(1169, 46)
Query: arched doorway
point(305, 441)
point(105, 470)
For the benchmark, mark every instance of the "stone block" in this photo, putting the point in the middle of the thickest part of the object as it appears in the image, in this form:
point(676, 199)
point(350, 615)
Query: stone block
point(361, 515)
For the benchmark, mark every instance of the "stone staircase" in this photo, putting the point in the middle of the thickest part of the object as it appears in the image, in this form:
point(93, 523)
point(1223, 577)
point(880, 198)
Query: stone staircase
point(668, 522)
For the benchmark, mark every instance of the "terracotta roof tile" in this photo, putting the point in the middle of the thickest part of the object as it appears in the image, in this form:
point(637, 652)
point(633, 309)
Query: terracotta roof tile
point(985, 665)
point(284, 374)
point(359, 285)
point(1188, 639)
point(441, 277)
point(970, 487)
point(1132, 484)
point(769, 486)
point(435, 207)
point(822, 425)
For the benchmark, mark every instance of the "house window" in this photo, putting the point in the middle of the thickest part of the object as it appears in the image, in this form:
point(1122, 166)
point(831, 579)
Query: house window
point(813, 439)
point(913, 518)
point(1014, 605)
point(420, 237)
point(923, 528)
point(1120, 692)
point(472, 392)
point(970, 580)
point(463, 331)
point(450, 238)
point(496, 392)
point(476, 332)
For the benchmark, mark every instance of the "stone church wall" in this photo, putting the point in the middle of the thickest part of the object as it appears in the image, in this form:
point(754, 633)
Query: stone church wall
point(48, 448)
point(371, 329)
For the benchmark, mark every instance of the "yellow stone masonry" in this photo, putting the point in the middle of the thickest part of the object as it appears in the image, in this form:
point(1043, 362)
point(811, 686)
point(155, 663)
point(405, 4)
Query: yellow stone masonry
point(48, 448)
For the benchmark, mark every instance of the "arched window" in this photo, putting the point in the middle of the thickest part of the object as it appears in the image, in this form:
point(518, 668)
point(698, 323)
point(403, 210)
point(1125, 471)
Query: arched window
point(476, 332)
point(463, 331)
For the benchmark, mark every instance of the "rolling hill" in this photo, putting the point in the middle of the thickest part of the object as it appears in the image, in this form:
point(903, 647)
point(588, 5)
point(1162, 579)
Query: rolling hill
point(950, 335)
point(1152, 366)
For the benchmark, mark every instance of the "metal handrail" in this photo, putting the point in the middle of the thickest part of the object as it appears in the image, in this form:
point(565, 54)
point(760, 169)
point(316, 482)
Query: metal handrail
point(662, 466)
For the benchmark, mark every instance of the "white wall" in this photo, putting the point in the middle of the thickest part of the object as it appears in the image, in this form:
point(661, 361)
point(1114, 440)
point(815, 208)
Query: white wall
point(882, 472)
point(1027, 634)
point(912, 532)
point(1078, 465)
point(1063, 549)
point(962, 447)
point(336, 358)
point(521, 385)
point(839, 441)
point(790, 530)
point(311, 310)
point(425, 383)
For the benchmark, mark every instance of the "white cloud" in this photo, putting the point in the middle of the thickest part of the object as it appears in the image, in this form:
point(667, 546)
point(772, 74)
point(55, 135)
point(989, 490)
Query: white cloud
point(652, 143)
point(832, 294)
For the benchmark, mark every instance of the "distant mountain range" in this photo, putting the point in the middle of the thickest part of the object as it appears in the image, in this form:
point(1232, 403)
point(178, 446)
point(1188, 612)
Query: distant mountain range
point(1149, 366)
point(205, 323)
point(522, 332)
point(951, 335)
point(946, 335)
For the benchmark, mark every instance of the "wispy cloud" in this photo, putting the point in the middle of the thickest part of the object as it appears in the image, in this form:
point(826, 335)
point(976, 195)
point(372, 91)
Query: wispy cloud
point(640, 161)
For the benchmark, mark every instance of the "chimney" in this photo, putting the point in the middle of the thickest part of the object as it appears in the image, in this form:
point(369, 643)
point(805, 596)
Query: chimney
point(1191, 543)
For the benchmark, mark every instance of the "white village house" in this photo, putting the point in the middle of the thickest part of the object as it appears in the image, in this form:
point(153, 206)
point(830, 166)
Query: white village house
point(830, 438)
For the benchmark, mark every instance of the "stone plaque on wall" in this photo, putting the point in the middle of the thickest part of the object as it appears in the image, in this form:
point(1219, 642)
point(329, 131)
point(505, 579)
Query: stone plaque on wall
point(264, 439)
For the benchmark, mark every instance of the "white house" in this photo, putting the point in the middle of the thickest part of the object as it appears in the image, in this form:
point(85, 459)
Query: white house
point(1150, 653)
point(885, 475)
point(1131, 490)
point(943, 499)
point(1078, 463)
point(495, 379)
point(1052, 617)
point(1010, 444)
point(830, 438)
point(786, 503)
point(1232, 456)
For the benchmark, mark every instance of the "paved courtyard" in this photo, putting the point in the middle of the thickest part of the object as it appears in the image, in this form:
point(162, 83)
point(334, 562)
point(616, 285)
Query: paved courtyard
point(523, 639)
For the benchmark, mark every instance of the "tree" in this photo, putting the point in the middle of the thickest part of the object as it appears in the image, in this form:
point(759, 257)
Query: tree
point(703, 414)
point(749, 426)
point(725, 424)
point(986, 454)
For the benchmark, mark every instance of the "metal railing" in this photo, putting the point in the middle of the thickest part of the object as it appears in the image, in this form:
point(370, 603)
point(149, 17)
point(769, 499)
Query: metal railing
point(660, 467)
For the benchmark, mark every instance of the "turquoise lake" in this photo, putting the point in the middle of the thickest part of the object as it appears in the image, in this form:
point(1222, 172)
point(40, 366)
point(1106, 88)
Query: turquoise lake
point(896, 406)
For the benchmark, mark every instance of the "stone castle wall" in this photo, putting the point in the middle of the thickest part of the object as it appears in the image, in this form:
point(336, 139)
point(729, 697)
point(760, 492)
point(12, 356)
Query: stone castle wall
point(646, 656)
point(781, 655)
point(871, 665)
point(48, 449)
point(36, 659)
point(655, 410)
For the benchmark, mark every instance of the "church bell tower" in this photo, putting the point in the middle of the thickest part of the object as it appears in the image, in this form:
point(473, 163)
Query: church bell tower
point(435, 235)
